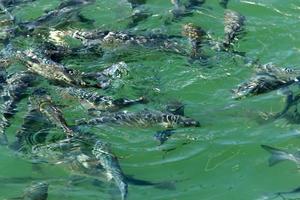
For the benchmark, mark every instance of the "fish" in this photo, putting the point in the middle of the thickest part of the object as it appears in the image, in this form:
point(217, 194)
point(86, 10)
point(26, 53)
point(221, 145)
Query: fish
point(144, 118)
point(36, 191)
point(111, 166)
point(110, 40)
point(278, 155)
point(93, 100)
point(57, 52)
point(139, 13)
point(91, 157)
point(53, 71)
point(267, 78)
point(223, 3)
point(13, 91)
point(65, 10)
point(181, 10)
point(234, 28)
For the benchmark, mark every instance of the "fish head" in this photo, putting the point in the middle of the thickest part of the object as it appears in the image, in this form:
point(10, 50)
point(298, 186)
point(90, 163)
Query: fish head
point(193, 32)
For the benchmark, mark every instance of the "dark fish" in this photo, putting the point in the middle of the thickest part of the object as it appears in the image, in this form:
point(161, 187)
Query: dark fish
point(291, 100)
point(163, 136)
point(7, 12)
point(176, 108)
point(267, 78)
point(192, 4)
point(136, 3)
point(181, 10)
point(278, 155)
point(13, 91)
point(139, 13)
point(104, 103)
point(15, 3)
point(58, 52)
point(64, 11)
point(37, 191)
point(223, 3)
point(143, 118)
point(234, 29)
point(293, 194)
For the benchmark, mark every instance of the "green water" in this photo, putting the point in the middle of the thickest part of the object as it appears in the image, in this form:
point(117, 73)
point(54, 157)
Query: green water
point(220, 160)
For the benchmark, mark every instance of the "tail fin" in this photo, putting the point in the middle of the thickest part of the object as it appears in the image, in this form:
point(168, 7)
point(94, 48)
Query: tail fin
point(277, 155)
point(168, 185)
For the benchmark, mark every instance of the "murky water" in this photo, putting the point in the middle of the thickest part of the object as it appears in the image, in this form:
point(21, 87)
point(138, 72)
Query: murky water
point(220, 160)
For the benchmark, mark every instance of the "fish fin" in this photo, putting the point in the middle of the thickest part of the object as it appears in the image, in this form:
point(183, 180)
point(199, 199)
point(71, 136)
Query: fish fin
point(84, 19)
point(160, 185)
point(277, 155)
point(163, 136)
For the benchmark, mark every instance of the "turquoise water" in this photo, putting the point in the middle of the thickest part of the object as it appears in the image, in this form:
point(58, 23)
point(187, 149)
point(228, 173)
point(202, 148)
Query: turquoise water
point(220, 160)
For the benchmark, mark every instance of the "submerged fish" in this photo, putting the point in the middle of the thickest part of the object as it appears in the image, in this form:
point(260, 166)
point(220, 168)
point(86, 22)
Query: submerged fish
point(52, 70)
point(223, 3)
point(139, 13)
point(44, 104)
point(278, 155)
point(37, 191)
point(144, 118)
point(180, 9)
point(92, 158)
point(267, 78)
point(111, 166)
point(57, 52)
point(42, 112)
point(64, 11)
point(13, 91)
point(100, 102)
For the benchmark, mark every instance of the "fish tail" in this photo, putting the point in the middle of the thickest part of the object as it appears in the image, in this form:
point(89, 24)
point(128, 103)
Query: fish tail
point(160, 185)
point(277, 155)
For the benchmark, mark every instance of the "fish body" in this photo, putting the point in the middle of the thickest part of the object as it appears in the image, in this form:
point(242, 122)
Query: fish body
point(112, 39)
point(64, 11)
point(13, 91)
point(52, 70)
point(111, 166)
point(58, 52)
point(100, 102)
point(143, 118)
point(87, 155)
point(234, 24)
point(267, 78)
point(180, 9)
point(278, 155)
point(223, 3)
